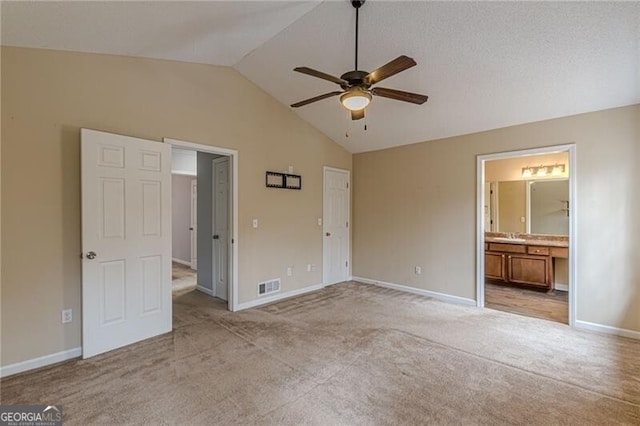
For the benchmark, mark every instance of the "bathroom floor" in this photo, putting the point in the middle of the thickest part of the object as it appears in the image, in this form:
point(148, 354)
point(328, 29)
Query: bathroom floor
point(552, 306)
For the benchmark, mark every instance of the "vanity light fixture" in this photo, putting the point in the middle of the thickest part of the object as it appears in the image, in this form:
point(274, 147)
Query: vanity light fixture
point(543, 170)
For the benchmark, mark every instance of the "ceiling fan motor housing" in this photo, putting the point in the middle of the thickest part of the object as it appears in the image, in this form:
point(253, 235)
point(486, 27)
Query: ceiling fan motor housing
point(355, 78)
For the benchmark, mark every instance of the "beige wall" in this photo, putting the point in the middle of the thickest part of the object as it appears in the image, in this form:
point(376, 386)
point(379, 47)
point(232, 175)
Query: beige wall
point(415, 205)
point(48, 96)
point(512, 205)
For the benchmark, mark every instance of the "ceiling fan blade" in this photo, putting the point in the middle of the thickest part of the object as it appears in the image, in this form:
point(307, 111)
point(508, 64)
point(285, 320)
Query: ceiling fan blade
point(399, 95)
point(315, 99)
point(357, 115)
point(399, 64)
point(318, 74)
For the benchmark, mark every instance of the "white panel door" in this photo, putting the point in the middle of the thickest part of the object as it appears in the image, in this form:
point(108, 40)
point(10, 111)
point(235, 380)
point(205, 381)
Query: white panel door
point(335, 262)
point(193, 228)
point(221, 227)
point(126, 240)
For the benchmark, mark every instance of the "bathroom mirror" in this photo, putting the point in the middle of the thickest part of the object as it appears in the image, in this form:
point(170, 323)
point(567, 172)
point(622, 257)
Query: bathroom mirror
point(528, 206)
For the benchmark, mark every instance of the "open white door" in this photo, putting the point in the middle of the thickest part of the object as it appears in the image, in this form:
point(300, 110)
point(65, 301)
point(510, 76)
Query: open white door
point(126, 240)
point(336, 207)
point(221, 227)
point(194, 224)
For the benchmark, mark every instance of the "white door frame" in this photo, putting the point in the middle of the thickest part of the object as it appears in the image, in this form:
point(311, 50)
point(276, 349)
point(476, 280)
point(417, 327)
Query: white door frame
point(233, 261)
point(573, 218)
point(324, 173)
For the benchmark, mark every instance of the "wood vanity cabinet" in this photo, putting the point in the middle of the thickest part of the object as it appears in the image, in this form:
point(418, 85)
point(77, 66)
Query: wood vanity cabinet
point(494, 266)
point(530, 270)
point(520, 264)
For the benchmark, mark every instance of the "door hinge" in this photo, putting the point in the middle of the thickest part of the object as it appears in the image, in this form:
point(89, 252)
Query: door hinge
point(491, 191)
point(347, 224)
point(347, 185)
point(346, 264)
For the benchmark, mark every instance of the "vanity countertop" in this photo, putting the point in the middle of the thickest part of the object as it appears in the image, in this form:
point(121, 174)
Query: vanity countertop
point(527, 239)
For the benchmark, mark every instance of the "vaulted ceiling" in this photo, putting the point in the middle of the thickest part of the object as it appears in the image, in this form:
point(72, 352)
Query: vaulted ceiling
point(484, 65)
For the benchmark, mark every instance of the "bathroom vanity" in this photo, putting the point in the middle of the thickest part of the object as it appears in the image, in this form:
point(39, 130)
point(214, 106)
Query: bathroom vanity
point(523, 259)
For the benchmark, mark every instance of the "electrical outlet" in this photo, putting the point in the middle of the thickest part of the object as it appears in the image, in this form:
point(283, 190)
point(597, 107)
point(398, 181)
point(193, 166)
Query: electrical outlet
point(67, 316)
point(308, 267)
point(289, 271)
point(418, 270)
point(319, 221)
point(255, 223)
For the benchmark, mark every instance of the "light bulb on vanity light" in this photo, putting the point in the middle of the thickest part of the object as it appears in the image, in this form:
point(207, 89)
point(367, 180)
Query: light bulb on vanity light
point(542, 171)
point(557, 170)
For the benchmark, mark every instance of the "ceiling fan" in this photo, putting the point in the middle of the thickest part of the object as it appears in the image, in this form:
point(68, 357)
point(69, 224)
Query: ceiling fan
point(356, 85)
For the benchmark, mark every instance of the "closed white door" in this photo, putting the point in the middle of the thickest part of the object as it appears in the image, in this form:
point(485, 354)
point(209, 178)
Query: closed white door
point(126, 240)
point(193, 227)
point(336, 207)
point(221, 227)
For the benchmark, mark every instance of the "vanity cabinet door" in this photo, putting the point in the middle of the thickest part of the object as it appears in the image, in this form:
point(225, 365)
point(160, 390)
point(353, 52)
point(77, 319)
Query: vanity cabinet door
point(494, 265)
point(530, 270)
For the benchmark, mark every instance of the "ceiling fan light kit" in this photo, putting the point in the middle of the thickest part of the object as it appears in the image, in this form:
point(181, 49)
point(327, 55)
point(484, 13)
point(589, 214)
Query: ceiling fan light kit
point(356, 85)
point(355, 99)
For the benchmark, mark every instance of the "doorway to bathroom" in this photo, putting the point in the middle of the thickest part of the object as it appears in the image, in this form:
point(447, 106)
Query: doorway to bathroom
point(526, 223)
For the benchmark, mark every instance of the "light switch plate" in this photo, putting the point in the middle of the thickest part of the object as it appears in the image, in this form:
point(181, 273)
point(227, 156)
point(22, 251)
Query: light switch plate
point(255, 223)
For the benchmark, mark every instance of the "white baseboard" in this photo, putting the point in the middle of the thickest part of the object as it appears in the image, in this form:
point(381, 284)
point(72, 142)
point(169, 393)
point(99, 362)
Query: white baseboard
point(561, 287)
point(607, 329)
point(182, 262)
point(278, 297)
point(419, 291)
point(43, 361)
point(205, 290)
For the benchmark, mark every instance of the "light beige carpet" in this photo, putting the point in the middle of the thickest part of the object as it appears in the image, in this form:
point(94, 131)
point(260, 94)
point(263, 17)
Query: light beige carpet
point(183, 279)
point(349, 354)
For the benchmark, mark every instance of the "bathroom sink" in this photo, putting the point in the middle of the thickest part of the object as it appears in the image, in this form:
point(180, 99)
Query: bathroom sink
point(509, 240)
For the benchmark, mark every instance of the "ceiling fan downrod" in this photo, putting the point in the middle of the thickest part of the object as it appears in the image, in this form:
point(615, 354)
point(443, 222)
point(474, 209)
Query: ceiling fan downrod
point(357, 4)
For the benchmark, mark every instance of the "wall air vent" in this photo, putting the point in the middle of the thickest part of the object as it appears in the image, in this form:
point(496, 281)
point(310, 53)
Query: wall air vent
point(268, 287)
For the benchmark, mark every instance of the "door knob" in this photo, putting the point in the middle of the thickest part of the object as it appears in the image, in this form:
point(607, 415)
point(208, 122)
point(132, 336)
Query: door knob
point(216, 237)
point(328, 234)
point(91, 255)
point(190, 229)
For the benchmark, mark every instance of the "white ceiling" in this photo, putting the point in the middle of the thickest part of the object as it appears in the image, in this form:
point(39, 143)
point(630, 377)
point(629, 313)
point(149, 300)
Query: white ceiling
point(213, 32)
point(484, 65)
